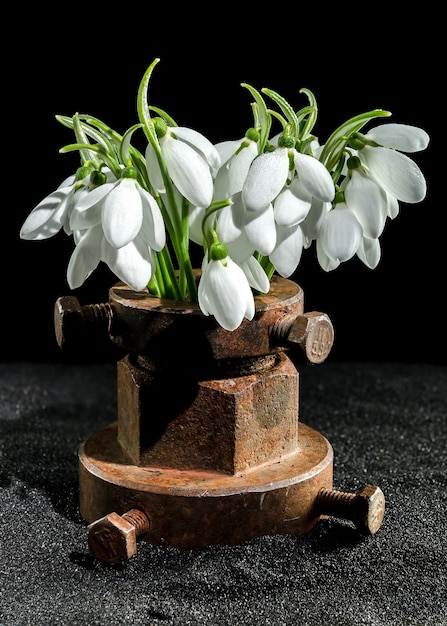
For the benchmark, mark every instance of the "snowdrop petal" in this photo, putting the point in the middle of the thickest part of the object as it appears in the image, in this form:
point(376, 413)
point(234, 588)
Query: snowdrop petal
point(46, 219)
point(153, 227)
point(134, 263)
point(241, 249)
point(392, 206)
point(195, 217)
point(94, 196)
point(340, 234)
point(85, 257)
point(239, 166)
point(265, 179)
point(366, 200)
point(200, 143)
point(396, 173)
point(226, 149)
point(291, 209)
point(189, 171)
point(325, 261)
point(369, 252)
point(226, 228)
point(400, 137)
point(225, 293)
point(122, 213)
point(153, 170)
point(315, 217)
point(314, 176)
point(261, 230)
point(287, 253)
point(256, 276)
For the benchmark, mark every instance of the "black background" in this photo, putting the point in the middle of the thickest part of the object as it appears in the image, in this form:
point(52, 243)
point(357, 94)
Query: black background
point(92, 63)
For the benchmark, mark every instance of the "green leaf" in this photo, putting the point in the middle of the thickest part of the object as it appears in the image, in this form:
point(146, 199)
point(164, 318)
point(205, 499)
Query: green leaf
point(336, 143)
point(265, 119)
point(143, 104)
point(285, 108)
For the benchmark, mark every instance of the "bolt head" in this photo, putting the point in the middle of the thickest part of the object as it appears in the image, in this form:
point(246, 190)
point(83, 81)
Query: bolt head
point(112, 539)
point(67, 313)
point(371, 509)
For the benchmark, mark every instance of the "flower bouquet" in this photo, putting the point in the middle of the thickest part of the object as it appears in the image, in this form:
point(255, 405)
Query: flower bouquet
point(250, 205)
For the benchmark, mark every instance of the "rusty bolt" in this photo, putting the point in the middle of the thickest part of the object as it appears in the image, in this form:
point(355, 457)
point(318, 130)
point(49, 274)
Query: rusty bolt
point(312, 332)
point(71, 320)
point(365, 508)
point(113, 539)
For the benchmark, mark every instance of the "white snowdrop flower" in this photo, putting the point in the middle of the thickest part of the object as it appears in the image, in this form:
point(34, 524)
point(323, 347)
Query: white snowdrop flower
point(224, 290)
point(54, 211)
point(380, 150)
point(339, 238)
point(190, 161)
point(236, 158)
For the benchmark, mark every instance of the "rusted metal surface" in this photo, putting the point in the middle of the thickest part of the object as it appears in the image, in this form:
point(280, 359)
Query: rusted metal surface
point(190, 509)
point(166, 329)
point(228, 424)
point(207, 447)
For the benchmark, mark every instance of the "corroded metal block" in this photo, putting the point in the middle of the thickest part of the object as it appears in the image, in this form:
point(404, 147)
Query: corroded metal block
point(229, 424)
point(192, 509)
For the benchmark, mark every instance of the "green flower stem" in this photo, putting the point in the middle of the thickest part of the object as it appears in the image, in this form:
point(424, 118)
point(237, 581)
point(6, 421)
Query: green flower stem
point(81, 147)
point(174, 222)
point(215, 206)
point(168, 277)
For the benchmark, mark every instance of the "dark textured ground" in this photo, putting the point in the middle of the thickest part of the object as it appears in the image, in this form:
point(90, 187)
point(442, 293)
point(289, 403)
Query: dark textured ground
point(387, 424)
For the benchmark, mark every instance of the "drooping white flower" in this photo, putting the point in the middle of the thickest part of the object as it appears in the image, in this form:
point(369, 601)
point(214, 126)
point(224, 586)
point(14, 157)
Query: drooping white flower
point(265, 179)
point(54, 211)
point(241, 251)
point(395, 172)
point(402, 137)
point(236, 158)
point(269, 173)
point(288, 249)
point(292, 204)
point(191, 161)
point(133, 263)
point(369, 252)
point(224, 291)
point(367, 201)
point(314, 218)
point(339, 237)
point(119, 207)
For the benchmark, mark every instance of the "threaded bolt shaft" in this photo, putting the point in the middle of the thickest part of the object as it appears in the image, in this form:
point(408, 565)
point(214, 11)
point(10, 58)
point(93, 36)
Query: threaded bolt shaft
point(365, 508)
point(138, 520)
point(71, 320)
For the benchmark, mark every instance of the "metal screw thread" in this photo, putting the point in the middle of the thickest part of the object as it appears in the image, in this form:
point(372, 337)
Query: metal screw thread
point(336, 503)
point(138, 519)
point(281, 329)
point(98, 314)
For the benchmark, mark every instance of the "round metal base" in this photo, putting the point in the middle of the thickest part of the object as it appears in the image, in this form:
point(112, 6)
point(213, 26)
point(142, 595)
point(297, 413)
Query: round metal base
point(191, 508)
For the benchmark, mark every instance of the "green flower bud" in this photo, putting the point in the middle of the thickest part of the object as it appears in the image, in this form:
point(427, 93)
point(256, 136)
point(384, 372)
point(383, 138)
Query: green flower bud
point(339, 197)
point(354, 163)
point(83, 172)
point(252, 134)
point(160, 126)
point(129, 172)
point(218, 251)
point(357, 141)
point(286, 141)
point(98, 178)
